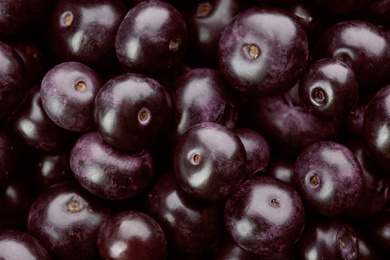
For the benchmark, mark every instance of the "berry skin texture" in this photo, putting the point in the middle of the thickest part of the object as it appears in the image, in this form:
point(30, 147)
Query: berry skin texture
point(152, 38)
point(329, 177)
point(263, 51)
point(265, 215)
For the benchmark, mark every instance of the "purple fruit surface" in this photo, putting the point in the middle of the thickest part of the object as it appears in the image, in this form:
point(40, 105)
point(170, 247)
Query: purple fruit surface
point(210, 161)
point(131, 235)
point(263, 51)
point(66, 219)
point(68, 93)
point(355, 119)
point(49, 167)
point(328, 238)
point(108, 172)
point(13, 86)
point(363, 46)
point(196, 129)
point(258, 153)
point(329, 88)
point(313, 19)
point(31, 49)
point(190, 225)
point(265, 216)
point(228, 249)
point(34, 126)
point(281, 168)
point(379, 229)
point(206, 21)
point(202, 95)
point(289, 128)
point(84, 31)
point(152, 38)
point(368, 248)
point(328, 177)
point(376, 127)
point(18, 245)
point(132, 111)
point(21, 17)
point(376, 189)
point(16, 197)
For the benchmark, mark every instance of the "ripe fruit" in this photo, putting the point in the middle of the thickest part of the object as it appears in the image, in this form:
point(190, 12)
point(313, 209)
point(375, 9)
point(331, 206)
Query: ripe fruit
point(132, 111)
point(131, 235)
point(328, 177)
point(66, 219)
point(209, 161)
point(152, 38)
point(68, 93)
point(265, 215)
point(263, 51)
point(108, 172)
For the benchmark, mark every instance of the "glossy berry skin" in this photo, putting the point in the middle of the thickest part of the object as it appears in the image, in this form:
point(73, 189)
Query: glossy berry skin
point(281, 168)
point(49, 167)
point(21, 17)
point(18, 245)
point(202, 95)
point(376, 127)
point(258, 153)
point(376, 184)
point(363, 46)
point(263, 51)
point(66, 219)
point(265, 215)
point(379, 229)
point(288, 127)
point(312, 18)
point(355, 119)
point(228, 249)
point(206, 20)
point(13, 86)
point(329, 88)
point(328, 177)
point(31, 49)
point(68, 93)
point(34, 126)
point(16, 198)
point(190, 225)
point(131, 111)
point(152, 38)
point(131, 235)
point(368, 249)
point(328, 238)
point(108, 172)
point(209, 161)
point(84, 31)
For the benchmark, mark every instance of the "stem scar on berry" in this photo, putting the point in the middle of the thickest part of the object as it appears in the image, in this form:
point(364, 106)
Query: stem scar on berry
point(174, 45)
point(318, 95)
point(253, 51)
point(344, 58)
point(74, 206)
point(314, 180)
point(144, 116)
point(204, 9)
point(274, 202)
point(67, 18)
point(195, 158)
point(81, 86)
